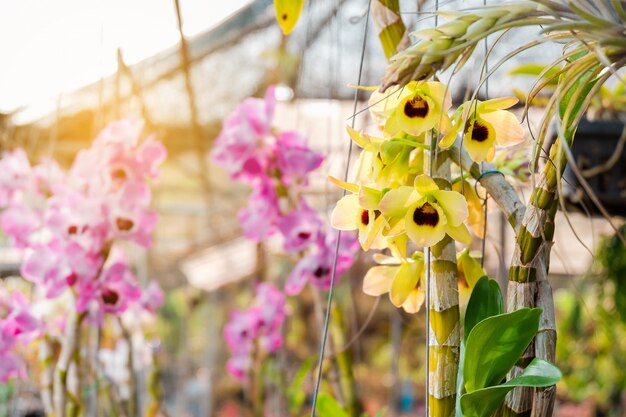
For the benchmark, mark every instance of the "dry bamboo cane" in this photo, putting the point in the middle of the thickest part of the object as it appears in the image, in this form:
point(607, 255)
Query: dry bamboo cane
point(444, 330)
point(529, 286)
point(535, 292)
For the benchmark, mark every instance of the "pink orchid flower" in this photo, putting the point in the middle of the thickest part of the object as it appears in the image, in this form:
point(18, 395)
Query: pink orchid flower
point(295, 159)
point(300, 228)
point(260, 218)
point(245, 143)
point(316, 268)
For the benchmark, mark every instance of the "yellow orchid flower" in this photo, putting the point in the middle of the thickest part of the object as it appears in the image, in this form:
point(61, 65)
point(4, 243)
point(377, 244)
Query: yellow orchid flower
point(469, 272)
point(387, 162)
point(427, 212)
point(487, 124)
point(359, 211)
point(414, 108)
point(400, 277)
point(469, 268)
point(476, 218)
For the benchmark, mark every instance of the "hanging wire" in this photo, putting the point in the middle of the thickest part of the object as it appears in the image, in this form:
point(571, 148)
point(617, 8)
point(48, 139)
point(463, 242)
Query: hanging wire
point(486, 200)
point(433, 145)
point(484, 174)
point(334, 270)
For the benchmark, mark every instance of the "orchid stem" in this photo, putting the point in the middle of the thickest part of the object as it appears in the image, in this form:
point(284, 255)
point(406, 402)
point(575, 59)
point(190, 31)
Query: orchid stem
point(47, 373)
point(68, 351)
point(133, 403)
point(343, 359)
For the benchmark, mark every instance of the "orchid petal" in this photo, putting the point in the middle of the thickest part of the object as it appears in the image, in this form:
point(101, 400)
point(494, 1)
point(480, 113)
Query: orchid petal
point(378, 279)
point(507, 127)
point(354, 188)
point(497, 104)
point(453, 205)
point(395, 202)
point(425, 185)
point(345, 213)
point(459, 233)
point(404, 282)
point(479, 140)
point(414, 301)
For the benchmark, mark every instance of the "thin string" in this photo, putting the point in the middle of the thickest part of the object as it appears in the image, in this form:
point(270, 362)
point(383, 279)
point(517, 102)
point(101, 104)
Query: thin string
point(433, 144)
point(486, 201)
point(334, 271)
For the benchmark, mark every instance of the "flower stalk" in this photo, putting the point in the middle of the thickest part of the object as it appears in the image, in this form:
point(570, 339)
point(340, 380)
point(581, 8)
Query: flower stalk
point(47, 375)
point(69, 348)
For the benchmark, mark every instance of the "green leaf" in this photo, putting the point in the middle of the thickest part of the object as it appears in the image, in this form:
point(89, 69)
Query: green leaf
point(567, 104)
point(535, 70)
point(495, 344)
point(295, 394)
point(484, 402)
point(327, 406)
point(288, 13)
point(485, 301)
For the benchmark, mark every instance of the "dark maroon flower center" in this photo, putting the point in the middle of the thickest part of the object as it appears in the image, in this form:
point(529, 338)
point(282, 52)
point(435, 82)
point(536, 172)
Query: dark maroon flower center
point(124, 224)
point(110, 297)
point(304, 235)
point(71, 279)
point(480, 132)
point(416, 107)
point(365, 217)
point(426, 215)
point(72, 230)
point(321, 271)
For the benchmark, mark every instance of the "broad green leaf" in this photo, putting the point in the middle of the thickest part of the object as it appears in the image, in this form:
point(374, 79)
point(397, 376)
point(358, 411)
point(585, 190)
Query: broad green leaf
point(484, 402)
point(327, 406)
point(485, 301)
point(495, 344)
point(295, 394)
point(287, 13)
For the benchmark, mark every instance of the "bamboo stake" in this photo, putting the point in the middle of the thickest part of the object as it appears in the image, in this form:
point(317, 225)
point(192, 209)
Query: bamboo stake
point(529, 286)
point(444, 330)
